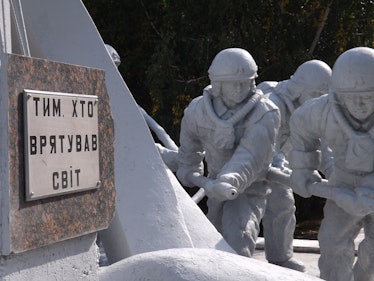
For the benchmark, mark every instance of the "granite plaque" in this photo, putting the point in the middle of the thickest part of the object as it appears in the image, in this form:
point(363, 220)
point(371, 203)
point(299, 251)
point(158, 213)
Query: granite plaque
point(31, 224)
point(61, 143)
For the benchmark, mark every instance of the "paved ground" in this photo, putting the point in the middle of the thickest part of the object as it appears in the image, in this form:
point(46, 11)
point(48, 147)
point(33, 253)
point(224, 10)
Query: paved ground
point(306, 251)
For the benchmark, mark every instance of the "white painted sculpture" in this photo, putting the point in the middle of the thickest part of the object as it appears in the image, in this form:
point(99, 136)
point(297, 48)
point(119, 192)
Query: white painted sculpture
point(197, 230)
point(208, 258)
point(344, 119)
point(233, 127)
point(311, 80)
point(157, 229)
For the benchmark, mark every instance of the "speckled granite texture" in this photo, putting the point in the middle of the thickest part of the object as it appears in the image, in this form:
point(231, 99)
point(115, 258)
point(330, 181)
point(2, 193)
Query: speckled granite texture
point(46, 221)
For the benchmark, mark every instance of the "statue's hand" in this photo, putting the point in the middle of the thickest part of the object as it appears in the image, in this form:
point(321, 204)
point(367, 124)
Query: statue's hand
point(186, 175)
point(301, 178)
point(220, 190)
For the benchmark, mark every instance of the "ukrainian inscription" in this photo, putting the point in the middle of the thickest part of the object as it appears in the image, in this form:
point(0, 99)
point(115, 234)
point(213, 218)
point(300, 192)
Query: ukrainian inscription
point(61, 143)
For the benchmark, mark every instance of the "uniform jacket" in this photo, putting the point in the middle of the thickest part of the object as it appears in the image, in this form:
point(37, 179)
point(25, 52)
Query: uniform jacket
point(238, 152)
point(352, 147)
point(279, 95)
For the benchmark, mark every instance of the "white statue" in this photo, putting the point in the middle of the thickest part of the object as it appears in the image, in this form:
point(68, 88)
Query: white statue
point(233, 127)
point(113, 54)
point(311, 80)
point(344, 119)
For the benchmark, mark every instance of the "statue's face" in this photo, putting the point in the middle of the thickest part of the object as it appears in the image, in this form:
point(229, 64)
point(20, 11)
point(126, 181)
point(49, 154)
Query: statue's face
point(360, 106)
point(235, 92)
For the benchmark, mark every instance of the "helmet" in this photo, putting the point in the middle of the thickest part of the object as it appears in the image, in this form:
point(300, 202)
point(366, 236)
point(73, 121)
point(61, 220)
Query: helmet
point(113, 54)
point(314, 75)
point(353, 71)
point(233, 64)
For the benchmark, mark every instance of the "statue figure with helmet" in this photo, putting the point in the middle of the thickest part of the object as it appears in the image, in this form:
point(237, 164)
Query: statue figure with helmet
point(310, 80)
point(233, 128)
point(344, 119)
point(113, 54)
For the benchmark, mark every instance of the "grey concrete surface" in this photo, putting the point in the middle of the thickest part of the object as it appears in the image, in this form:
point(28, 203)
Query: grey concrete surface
point(306, 251)
point(309, 259)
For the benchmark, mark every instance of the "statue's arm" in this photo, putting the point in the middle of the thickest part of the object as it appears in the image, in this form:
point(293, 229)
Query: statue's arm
point(306, 129)
point(253, 154)
point(191, 151)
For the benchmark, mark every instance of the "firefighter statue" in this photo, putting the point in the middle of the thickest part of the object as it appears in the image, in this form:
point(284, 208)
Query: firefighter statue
point(345, 120)
point(310, 80)
point(233, 128)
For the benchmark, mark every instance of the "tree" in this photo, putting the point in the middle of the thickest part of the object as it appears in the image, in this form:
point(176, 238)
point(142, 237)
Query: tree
point(167, 46)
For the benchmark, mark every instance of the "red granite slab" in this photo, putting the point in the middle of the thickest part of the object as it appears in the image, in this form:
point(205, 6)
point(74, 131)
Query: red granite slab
point(38, 223)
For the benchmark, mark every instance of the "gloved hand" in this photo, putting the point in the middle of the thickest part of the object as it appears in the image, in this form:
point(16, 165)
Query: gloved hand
point(185, 174)
point(279, 161)
point(220, 190)
point(301, 178)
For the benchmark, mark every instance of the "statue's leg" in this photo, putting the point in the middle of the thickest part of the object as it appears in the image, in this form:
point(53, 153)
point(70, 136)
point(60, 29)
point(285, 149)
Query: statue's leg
point(364, 267)
point(215, 213)
point(279, 226)
point(336, 240)
point(241, 222)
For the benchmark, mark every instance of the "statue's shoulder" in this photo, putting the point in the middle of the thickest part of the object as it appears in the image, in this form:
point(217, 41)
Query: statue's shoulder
point(267, 86)
point(195, 109)
point(320, 103)
point(197, 104)
point(277, 100)
point(194, 106)
point(263, 107)
point(265, 103)
point(316, 108)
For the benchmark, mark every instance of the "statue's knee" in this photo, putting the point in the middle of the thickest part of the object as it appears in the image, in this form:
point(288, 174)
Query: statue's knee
point(366, 254)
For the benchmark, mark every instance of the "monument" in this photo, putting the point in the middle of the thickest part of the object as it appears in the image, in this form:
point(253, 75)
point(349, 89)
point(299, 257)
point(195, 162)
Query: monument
point(60, 120)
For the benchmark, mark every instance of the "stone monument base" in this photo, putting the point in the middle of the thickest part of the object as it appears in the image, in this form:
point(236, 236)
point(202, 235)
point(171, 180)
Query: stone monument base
point(73, 259)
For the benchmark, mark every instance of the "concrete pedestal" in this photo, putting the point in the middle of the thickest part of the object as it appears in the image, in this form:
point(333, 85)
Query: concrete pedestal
point(73, 259)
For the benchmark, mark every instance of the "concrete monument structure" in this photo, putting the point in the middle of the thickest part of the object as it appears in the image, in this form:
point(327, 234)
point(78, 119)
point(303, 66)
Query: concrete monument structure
point(43, 41)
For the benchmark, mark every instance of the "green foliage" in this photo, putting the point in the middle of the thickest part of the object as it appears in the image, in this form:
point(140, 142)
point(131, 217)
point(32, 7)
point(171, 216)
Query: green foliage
point(166, 46)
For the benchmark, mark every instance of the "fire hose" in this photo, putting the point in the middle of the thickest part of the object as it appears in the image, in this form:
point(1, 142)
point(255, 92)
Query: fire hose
point(357, 201)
